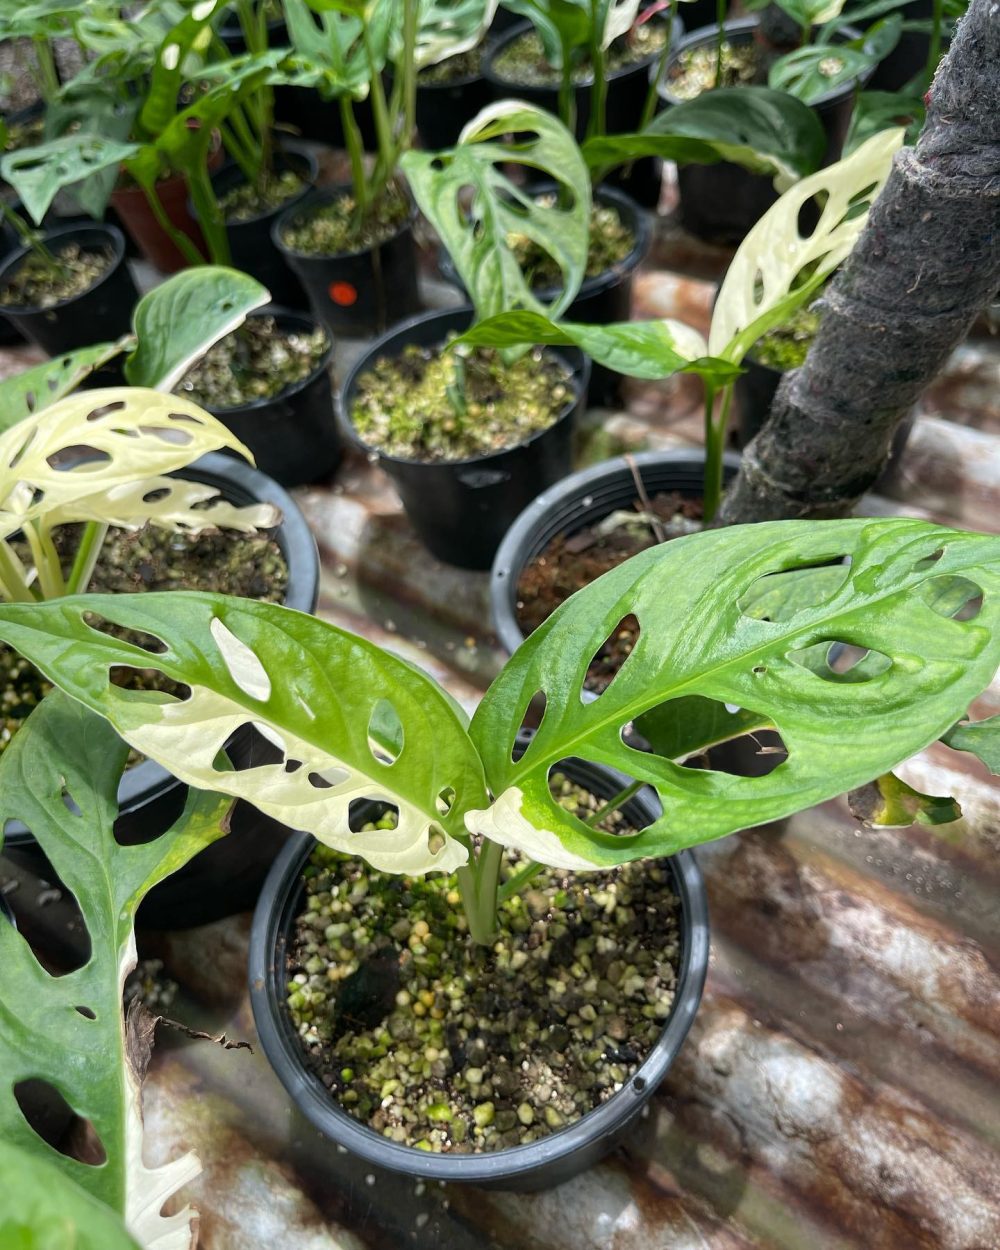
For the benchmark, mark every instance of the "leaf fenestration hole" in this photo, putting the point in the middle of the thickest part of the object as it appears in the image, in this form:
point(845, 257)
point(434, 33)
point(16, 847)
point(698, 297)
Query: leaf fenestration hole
point(445, 800)
point(841, 662)
point(781, 595)
point(50, 1116)
point(928, 562)
point(698, 732)
point(363, 812)
point(577, 798)
point(952, 597)
point(385, 733)
point(319, 782)
point(87, 1013)
point(610, 656)
point(101, 625)
point(534, 713)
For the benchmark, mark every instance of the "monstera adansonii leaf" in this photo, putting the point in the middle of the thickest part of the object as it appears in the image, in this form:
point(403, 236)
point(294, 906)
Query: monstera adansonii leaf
point(448, 27)
point(41, 385)
point(59, 777)
point(38, 174)
point(476, 231)
point(352, 721)
point(697, 650)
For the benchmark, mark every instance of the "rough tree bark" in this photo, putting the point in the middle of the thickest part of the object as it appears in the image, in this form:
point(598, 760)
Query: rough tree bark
point(927, 262)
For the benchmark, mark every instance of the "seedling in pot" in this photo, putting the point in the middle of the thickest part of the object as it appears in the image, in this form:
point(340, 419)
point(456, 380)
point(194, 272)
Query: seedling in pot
point(725, 654)
point(776, 271)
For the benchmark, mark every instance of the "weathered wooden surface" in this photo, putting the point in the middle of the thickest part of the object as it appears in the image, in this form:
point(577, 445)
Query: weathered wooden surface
point(839, 1089)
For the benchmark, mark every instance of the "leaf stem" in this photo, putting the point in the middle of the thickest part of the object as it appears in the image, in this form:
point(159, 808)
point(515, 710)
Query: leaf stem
point(87, 553)
point(652, 95)
point(597, 125)
point(721, 9)
point(715, 439)
point(179, 239)
point(356, 151)
point(13, 581)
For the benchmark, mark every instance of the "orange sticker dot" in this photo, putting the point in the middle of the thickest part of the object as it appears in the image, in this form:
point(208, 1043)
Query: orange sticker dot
point(343, 293)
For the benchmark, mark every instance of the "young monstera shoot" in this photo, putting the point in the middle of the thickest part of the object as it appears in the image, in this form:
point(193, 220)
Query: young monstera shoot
point(777, 269)
point(722, 655)
point(102, 458)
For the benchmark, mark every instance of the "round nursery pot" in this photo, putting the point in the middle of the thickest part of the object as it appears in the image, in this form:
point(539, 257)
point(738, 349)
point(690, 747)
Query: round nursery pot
point(583, 499)
point(443, 108)
point(293, 435)
point(537, 1165)
point(226, 876)
point(721, 202)
point(604, 298)
point(250, 241)
point(461, 508)
point(103, 311)
point(354, 293)
point(626, 97)
point(909, 56)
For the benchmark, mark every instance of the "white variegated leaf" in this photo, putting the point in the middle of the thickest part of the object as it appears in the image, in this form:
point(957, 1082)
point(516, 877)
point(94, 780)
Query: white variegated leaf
point(175, 504)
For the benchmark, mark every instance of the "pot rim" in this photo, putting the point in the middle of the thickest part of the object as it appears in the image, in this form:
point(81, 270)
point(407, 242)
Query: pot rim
point(316, 198)
point(291, 147)
point(507, 37)
point(508, 563)
point(59, 234)
point(745, 26)
point(272, 918)
point(148, 780)
point(283, 315)
point(579, 378)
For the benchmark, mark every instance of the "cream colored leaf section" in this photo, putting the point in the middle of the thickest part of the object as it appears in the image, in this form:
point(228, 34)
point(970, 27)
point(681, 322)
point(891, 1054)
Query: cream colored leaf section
point(96, 441)
point(620, 18)
point(308, 788)
point(774, 255)
point(170, 503)
point(504, 822)
point(447, 29)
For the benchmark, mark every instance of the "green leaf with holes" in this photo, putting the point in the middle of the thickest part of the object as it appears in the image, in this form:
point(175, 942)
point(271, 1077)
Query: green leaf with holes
point(889, 803)
point(38, 174)
point(810, 73)
point(477, 232)
point(43, 384)
point(44, 1210)
point(179, 320)
point(353, 721)
point(695, 640)
point(59, 777)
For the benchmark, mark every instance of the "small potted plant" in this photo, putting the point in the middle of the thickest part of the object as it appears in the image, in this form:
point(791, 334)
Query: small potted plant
point(491, 969)
point(470, 438)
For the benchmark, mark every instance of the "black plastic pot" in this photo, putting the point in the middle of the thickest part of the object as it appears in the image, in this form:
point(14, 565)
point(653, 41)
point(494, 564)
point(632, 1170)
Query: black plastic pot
point(584, 499)
point(102, 312)
point(355, 293)
point(538, 1165)
point(909, 56)
point(250, 242)
point(721, 202)
point(461, 508)
point(626, 97)
point(444, 108)
point(293, 436)
point(601, 299)
point(226, 876)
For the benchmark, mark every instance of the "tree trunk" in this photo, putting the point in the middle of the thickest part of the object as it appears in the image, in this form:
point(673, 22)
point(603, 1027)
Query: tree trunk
point(926, 264)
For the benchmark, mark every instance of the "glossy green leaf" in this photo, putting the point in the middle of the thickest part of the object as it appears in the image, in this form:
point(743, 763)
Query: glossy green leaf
point(889, 803)
point(42, 1209)
point(59, 776)
point(192, 34)
point(639, 349)
point(694, 640)
point(314, 690)
point(566, 25)
point(476, 234)
point(38, 174)
point(179, 320)
point(41, 385)
point(883, 110)
point(811, 72)
point(690, 725)
point(764, 131)
point(981, 738)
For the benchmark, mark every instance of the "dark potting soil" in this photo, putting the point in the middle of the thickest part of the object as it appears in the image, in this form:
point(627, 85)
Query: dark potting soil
point(611, 241)
point(333, 229)
point(452, 69)
point(40, 283)
point(523, 60)
point(250, 200)
point(152, 559)
point(415, 405)
point(451, 1047)
point(743, 65)
point(570, 562)
point(787, 345)
point(257, 361)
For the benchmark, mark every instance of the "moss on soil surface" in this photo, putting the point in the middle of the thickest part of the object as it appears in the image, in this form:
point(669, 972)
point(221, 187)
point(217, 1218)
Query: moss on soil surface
point(611, 241)
point(403, 406)
point(450, 1047)
point(787, 346)
point(250, 200)
point(331, 229)
point(523, 59)
point(452, 69)
point(257, 361)
point(36, 284)
point(694, 70)
point(153, 559)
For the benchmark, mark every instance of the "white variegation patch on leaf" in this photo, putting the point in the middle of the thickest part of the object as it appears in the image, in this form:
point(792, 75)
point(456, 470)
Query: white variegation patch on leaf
point(504, 822)
point(170, 503)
